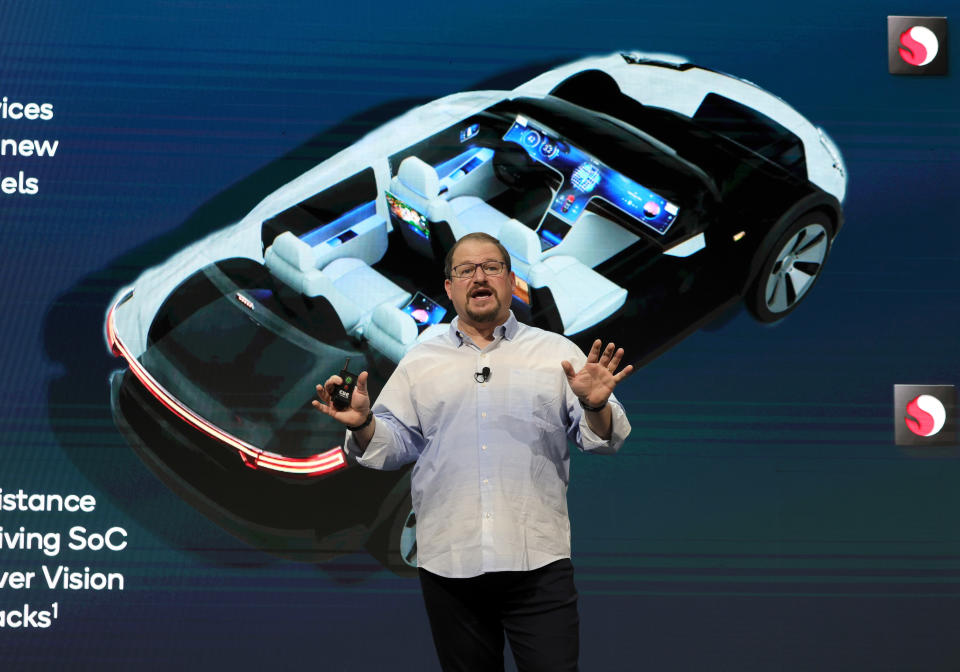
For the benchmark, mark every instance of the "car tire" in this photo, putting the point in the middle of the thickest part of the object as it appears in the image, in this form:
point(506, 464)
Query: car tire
point(789, 267)
point(395, 543)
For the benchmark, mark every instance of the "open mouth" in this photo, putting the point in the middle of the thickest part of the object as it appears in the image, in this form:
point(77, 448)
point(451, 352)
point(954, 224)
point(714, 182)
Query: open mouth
point(481, 293)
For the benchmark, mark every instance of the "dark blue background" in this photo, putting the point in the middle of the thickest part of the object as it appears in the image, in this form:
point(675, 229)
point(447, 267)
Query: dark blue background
point(760, 517)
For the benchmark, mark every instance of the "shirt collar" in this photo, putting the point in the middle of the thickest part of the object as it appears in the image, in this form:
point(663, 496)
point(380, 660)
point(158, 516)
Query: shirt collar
point(507, 330)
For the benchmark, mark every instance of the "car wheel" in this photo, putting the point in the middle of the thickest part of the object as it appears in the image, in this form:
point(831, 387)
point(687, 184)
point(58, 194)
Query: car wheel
point(401, 551)
point(407, 533)
point(791, 267)
point(395, 546)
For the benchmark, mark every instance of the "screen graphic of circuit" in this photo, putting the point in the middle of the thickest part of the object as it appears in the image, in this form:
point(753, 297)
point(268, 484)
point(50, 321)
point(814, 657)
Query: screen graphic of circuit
point(585, 178)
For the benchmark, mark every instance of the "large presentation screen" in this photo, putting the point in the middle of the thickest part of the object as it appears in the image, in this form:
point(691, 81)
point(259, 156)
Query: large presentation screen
point(203, 216)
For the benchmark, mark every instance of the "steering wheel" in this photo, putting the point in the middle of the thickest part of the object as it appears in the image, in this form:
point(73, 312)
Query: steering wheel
point(514, 167)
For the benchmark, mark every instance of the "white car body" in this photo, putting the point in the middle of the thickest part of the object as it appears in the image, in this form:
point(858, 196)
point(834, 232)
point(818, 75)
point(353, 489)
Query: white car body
point(658, 80)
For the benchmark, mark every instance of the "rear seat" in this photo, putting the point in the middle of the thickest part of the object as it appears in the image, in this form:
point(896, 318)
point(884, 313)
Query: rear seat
point(393, 332)
point(349, 284)
point(417, 183)
point(366, 287)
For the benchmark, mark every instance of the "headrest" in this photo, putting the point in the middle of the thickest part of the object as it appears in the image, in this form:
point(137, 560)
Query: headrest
point(396, 323)
point(294, 251)
point(420, 177)
point(521, 241)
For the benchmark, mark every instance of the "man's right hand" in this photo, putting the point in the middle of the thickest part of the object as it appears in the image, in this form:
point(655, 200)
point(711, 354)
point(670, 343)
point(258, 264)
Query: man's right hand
point(359, 401)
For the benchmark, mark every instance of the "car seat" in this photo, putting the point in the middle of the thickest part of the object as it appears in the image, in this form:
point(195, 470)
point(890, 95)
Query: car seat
point(566, 295)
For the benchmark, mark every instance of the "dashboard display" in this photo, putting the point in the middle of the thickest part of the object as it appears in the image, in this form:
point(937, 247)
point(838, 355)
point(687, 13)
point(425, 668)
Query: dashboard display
point(586, 178)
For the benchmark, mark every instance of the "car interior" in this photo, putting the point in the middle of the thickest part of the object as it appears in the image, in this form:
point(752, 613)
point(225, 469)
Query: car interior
point(383, 274)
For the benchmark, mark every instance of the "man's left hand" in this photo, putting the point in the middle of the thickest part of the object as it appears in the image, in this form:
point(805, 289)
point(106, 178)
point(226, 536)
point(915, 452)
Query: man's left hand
point(594, 383)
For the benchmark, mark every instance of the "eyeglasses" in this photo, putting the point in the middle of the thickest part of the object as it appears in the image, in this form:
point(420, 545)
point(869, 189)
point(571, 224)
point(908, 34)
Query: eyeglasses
point(489, 268)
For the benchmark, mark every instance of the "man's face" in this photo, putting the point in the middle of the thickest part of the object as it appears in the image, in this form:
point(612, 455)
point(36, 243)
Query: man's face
point(480, 299)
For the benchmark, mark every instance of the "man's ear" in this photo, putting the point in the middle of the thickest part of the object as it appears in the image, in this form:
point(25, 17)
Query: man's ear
point(446, 285)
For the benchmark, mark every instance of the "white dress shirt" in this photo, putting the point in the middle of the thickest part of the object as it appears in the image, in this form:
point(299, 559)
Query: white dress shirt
point(492, 463)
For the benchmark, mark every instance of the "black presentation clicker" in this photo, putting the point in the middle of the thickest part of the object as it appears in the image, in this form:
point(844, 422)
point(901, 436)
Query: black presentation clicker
point(343, 392)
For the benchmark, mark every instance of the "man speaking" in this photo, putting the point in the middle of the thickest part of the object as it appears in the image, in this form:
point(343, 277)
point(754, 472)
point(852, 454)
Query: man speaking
point(485, 411)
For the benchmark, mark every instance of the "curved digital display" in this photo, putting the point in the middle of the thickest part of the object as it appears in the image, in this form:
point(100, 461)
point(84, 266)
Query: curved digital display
point(585, 178)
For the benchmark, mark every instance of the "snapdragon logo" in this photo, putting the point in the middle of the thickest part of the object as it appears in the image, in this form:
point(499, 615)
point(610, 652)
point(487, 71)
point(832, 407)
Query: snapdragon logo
point(917, 45)
point(924, 415)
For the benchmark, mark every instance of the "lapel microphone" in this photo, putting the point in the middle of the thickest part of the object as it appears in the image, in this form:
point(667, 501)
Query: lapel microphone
point(483, 375)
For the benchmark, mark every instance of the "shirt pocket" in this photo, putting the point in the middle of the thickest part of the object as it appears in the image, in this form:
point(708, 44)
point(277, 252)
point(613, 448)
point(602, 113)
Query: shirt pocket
point(536, 394)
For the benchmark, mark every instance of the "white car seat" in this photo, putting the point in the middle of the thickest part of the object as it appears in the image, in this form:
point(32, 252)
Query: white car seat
point(292, 262)
point(474, 214)
point(417, 183)
point(365, 287)
point(582, 296)
point(350, 285)
point(393, 332)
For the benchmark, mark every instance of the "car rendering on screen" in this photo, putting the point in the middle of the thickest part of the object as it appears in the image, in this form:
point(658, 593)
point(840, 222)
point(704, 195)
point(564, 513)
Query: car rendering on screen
point(637, 194)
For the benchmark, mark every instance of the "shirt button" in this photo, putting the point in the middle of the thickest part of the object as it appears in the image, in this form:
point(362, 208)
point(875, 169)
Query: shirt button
point(485, 481)
point(488, 516)
point(483, 415)
point(483, 447)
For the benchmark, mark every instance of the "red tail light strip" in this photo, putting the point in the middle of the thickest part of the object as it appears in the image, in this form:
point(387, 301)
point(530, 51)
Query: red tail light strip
point(315, 465)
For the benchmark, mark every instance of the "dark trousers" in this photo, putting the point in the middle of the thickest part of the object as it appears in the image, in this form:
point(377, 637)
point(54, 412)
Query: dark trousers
point(536, 609)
